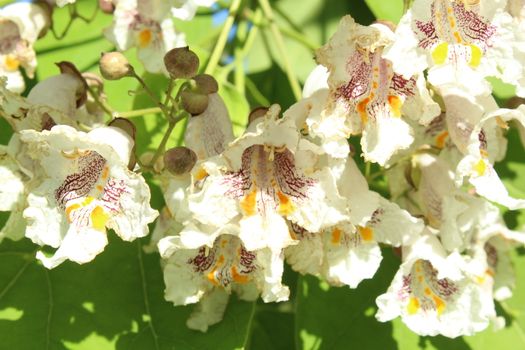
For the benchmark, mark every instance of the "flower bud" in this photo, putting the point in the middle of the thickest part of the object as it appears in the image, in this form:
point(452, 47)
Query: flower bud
point(193, 102)
point(206, 84)
point(114, 66)
point(129, 128)
point(181, 62)
point(106, 6)
point(179, 160)
point(257, 113)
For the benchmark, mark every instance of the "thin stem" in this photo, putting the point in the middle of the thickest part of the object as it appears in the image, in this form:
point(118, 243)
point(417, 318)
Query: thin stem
point(139, 112)
point(291, 33)
point(150, 93)
point(368, 169)
point(278, 38)
point(223, 37)
point(101, 103)
point(162, 146)
point(171, 85)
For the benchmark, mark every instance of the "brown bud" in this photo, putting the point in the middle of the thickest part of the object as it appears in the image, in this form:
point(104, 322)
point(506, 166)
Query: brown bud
point(129, 128)
point(114, 66)
point(206, 84)
point(126, 125)
point(514, 102)
point(70, 69)
point(181, 62)
point(179, 160)
point(106, 6)
point(193, 102)
point(257, 113)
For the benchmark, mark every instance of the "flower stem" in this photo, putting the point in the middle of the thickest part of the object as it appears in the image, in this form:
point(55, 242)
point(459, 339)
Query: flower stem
point(98, 101)
point(139, 112)
point(223, 37)
point(276, 33)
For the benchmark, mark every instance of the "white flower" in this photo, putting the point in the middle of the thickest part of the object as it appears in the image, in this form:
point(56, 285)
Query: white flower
point(461, 42)
point(483, 150)
point(349, 252)
point(56, 100)
point(433, 295)
point(21, 24)
point(148, 26)
point(264, 177)
point(192, 274)
point(492, 246)
point(186, 9)
point(366, 92)
point(209, 133)
point(84, 188)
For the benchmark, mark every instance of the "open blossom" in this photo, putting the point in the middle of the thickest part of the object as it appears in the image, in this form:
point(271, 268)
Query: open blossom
point(367, 93)
point(148, 26)
point(83, 187)
point(209, 273)
point(21, 24)
point(186, 9)
point(434, 294)
point(486, 145)
point(265, 177)
point(349, 252)
point(462, 42)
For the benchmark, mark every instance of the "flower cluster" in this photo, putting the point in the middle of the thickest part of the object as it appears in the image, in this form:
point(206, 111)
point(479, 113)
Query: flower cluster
point(288, 190)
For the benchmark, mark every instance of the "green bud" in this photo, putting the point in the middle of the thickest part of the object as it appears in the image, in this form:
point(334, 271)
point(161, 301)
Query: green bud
point(181, 62)
point(179, 160)
point(114, 66)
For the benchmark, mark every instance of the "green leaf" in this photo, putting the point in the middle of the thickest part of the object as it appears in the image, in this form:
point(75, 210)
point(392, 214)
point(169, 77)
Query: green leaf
point(343, 318)
point(386, 10)
point(114, 302)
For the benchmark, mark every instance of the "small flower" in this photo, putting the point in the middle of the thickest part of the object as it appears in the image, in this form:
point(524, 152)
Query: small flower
point(21, 24)
point(434, 295)
point(264, 177)
point(148, 26)
point(461, 42)
point(485, 146)
point(349, 252)
point(84, 187)
point(209, 273)
point(366, 91)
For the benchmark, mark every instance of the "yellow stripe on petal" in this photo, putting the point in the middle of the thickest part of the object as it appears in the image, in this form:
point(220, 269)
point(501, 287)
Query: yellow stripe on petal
point(366, 233)
point(440, 53)
point(285, 204)
point(145, 37)
point(99, 218)
point(11, 63)
point(475, 56)
point(480, 167)
point(441, 139)
point(440, 304)
point(413, 305)
point(249, 203)
point(395, 105)
point(336, 235)
point(237, 277)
